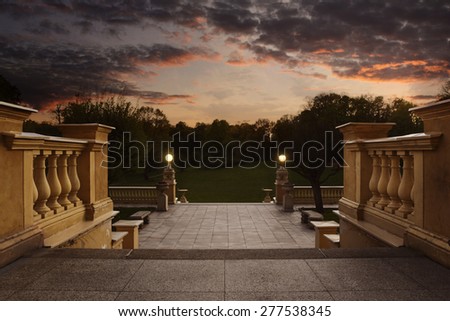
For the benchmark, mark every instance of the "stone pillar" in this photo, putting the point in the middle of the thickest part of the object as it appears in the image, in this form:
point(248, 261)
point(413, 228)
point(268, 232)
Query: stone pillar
point(163, 199)
point(358, 164)
point(432, 172)
point(92, 166)
point(288, 198)
point(169, 178)
point(18, 234)
point(281, 178)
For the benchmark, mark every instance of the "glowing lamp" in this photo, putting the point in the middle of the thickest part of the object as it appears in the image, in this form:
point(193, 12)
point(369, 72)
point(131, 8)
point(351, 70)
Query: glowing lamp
point(169, 158)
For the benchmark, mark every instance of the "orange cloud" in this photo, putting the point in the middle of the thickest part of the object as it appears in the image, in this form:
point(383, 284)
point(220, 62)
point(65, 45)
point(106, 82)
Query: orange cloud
point(327, 51)
point(305, 74)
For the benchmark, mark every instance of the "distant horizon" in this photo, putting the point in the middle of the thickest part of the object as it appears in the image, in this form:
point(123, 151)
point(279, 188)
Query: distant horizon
point(235, 60)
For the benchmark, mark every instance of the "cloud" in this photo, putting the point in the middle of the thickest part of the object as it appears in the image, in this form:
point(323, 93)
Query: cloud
point(47, 27)
point(358, 39)
point(160, 98)
point(423, 97)
point(53, 73)
point(306, 74)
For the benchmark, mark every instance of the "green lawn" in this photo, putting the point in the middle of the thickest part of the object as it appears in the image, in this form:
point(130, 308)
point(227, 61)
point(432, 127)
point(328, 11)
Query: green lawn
point(224, 184)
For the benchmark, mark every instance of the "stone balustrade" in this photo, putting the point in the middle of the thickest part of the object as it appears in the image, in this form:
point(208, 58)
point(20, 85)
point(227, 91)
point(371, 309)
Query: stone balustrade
point(135, 196)
point(55, 189)
point(54, 180)
point(392, 180)
point(396, 189)
point(330, 195)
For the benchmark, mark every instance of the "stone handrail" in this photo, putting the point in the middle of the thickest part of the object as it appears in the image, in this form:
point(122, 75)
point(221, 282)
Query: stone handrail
point(54, 189)
point(395, 166)
point(133, 195)
point(330, 195)
point(396, 189)
point(55, 182)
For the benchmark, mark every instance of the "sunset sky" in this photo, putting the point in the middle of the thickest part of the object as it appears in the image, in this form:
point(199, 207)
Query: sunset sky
point(237, 60)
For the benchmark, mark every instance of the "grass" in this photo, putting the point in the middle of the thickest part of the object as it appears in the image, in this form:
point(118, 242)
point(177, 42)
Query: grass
point(328, 215)
point(237, 185)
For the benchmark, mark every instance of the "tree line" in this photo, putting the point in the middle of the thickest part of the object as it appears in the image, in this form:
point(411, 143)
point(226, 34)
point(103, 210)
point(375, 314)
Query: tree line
point(313, 127)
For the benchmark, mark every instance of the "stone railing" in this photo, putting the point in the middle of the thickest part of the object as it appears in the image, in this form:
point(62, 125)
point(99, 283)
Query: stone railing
point(330, 195)
point(54, 188)
point(396, 189)
point(135, 196)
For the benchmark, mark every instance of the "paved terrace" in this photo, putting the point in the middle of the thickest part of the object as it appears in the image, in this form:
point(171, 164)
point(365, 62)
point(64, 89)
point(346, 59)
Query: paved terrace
point(225, 252)
point(225, 226)
point(284, 274)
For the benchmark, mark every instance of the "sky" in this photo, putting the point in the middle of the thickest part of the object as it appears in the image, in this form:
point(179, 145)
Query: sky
point(238, 60)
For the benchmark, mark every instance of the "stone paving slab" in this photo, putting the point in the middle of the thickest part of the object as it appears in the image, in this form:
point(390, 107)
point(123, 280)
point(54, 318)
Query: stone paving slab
point(225, 226)
point(179, 276)
point(367, 274)
point(356, 278)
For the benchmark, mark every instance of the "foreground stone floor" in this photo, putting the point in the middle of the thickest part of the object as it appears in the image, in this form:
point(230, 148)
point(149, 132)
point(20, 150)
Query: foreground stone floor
point(284, 274)
point(225, 226)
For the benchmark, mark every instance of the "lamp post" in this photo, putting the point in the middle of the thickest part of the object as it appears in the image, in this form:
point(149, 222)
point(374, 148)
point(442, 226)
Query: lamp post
point(169, 178)
point(282, 160)
point(169, 159)
point(281, 178)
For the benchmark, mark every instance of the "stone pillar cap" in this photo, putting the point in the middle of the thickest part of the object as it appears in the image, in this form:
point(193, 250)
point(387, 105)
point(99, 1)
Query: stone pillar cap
point(433, 110)
point(356, 130)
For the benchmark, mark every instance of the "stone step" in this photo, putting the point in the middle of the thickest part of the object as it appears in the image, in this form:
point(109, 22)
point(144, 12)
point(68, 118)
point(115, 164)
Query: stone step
point(117, 239)
point(332, 240)
point(225, 254)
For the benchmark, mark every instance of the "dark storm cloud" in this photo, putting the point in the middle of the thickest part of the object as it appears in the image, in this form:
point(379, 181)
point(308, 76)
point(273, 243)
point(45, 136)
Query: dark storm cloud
point(423, 97)
point(50, 73)
point(232, 17)
point(366, 39)
point(47, 27)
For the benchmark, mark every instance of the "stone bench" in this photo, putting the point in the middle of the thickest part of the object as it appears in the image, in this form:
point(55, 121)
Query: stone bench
point(142, 216)
point(117, 239)
point(332, 240)
point(322, 228)
point(131, 240)
point(309, 216)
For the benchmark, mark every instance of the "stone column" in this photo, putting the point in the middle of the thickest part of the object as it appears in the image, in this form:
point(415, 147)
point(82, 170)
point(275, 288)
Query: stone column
point(163, 199)
point(358, 164)
point(432, 172)
point(18, 234)
point(92, 166)
point(169, 178)
point(288, 198)
point(281, 178)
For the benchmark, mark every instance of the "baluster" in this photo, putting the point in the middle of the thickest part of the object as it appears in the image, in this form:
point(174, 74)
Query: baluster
point(405, 190)
point(53, 182)
point(35, 192)
point(394, 183)
point(383, 182)
point(42, 186)
point(64, 180)
point(74, 180)
point(411, 215)
point(373, 183)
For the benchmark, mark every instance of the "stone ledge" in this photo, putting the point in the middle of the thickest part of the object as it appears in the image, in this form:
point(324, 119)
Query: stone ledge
point(374, 231)
point(17, 245)
point(76, 230)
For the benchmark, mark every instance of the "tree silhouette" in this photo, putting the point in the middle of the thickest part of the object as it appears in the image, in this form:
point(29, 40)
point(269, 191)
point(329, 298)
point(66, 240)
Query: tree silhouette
point(8, 92)
point(445, 91)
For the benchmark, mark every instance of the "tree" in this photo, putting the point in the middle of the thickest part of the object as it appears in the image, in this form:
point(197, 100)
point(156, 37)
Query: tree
point(8, 92)
point(405, 122)
point(134, 127)
point(316, 152)
point(43, 128)
point(445, 91)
